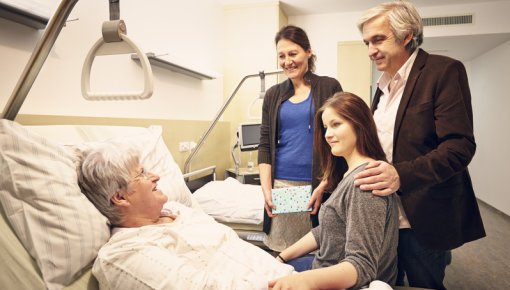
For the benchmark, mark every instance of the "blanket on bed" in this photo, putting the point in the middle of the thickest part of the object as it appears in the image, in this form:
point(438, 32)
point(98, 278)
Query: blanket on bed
point(231, 201)
point(193, 252)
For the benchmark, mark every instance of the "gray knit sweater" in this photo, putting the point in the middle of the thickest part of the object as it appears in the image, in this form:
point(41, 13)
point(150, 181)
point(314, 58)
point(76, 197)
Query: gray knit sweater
point(360, 228)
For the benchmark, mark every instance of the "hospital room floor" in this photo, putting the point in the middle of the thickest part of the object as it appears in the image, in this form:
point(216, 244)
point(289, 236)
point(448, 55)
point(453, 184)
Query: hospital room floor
point(485, 263)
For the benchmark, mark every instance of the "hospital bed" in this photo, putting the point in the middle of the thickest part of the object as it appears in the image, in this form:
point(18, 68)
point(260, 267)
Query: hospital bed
point(41, 245)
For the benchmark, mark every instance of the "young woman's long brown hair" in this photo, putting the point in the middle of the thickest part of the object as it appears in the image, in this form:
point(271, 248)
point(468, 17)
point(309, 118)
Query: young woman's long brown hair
point(355, 111)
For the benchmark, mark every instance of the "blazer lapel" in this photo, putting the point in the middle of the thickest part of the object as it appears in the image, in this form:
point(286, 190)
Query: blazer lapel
point(375, 101)
point(419, 62)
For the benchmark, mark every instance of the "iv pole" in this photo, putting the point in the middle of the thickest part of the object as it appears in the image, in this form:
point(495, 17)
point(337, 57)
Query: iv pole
point(262, 75)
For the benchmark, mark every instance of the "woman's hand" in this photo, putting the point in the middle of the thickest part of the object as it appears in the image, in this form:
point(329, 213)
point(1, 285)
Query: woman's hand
point(316, 198)
point(292, 282)
point(267, 187)
point(268, 202)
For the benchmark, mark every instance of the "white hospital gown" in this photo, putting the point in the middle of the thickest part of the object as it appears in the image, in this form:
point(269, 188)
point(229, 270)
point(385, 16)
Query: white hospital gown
point(193, 252)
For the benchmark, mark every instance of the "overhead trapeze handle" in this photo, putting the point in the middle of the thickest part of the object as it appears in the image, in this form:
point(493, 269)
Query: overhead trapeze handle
point(122, 46)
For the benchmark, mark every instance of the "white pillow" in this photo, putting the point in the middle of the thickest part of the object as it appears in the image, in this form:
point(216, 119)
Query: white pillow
point(54, 221)
point(231, 201)
point(155, 158)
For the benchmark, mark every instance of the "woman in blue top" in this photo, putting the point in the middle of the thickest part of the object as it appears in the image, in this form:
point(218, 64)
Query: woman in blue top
point(285, 156)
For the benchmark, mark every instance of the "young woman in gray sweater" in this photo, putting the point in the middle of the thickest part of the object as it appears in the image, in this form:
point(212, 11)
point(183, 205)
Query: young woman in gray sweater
point(356, 240)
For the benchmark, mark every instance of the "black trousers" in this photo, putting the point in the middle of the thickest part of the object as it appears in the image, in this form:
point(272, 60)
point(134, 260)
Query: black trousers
point(421, 266)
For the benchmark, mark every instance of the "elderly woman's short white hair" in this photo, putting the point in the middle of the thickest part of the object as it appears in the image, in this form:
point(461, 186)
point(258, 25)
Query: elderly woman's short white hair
point(104, 171)
point(403, 18)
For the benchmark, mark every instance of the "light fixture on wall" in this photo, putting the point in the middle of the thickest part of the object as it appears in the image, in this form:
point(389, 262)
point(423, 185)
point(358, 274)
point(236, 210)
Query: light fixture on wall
point(262, 76)
point(37, 59)
point(35, 14)
point(157, 60)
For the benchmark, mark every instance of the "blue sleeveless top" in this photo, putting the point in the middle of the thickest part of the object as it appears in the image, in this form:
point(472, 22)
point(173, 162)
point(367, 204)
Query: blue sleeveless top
point(294, 148)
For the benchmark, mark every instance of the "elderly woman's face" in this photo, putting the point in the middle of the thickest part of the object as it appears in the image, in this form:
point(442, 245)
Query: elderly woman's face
point(143, 193)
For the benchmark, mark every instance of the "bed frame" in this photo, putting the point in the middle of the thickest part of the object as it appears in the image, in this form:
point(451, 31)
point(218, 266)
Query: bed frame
point(199, 178)
point(250, 233)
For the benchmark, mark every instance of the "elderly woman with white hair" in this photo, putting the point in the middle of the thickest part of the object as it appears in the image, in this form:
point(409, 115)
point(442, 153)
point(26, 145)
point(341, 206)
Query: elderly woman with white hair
point(157, 244)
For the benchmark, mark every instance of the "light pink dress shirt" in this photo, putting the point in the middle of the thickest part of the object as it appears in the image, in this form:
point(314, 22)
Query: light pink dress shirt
point(386, 113)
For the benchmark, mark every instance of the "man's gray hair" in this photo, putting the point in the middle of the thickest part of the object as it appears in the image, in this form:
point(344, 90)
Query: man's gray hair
point(403, 18)
point(104, 171)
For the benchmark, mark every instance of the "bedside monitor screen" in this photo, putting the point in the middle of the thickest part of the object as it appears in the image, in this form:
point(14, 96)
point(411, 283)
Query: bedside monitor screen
point(249, 136)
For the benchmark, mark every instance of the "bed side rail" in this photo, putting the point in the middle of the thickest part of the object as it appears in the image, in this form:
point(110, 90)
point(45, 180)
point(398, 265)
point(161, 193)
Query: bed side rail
point(205, 175)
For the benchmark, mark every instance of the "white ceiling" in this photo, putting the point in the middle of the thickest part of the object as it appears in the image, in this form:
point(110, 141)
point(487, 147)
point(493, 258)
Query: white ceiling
point(303, 7)
point(300, 7)
point(463, 48)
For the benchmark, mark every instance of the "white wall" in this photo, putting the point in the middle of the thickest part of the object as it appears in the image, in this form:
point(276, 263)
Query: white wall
point(250, 48)
point(491, 101)
point(488, 76)
point(190, 32)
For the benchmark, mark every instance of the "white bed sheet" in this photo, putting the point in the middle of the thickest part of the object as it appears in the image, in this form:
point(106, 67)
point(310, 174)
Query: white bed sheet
point(193, 252)
point(231, 201)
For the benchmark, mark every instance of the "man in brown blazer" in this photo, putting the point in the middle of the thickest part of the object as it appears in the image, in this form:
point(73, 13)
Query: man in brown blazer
point(424, 119)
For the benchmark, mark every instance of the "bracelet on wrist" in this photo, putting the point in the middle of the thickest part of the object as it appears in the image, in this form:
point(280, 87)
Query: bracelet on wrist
point(282, 259)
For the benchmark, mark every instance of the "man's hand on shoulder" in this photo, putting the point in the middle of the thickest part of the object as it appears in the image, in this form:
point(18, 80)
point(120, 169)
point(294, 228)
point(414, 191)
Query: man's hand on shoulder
point(379, 177)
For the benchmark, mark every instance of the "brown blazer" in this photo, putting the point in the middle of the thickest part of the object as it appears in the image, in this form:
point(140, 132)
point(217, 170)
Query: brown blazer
point(433, 144)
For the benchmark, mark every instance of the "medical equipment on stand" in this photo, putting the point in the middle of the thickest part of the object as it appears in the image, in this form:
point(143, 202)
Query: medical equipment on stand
point(248, 138)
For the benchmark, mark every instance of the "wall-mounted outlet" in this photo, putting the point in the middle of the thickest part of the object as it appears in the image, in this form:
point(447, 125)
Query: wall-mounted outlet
point(184, 146)
point(187, 146)
point(192, 145)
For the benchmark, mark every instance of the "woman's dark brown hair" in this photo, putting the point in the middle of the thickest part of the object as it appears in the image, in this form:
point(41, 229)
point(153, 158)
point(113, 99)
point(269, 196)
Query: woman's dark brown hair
point(355, 111)
point(299, 37)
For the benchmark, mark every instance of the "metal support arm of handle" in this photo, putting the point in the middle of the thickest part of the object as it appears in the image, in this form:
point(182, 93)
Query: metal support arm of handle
point(261, 74)
point(37, 59)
